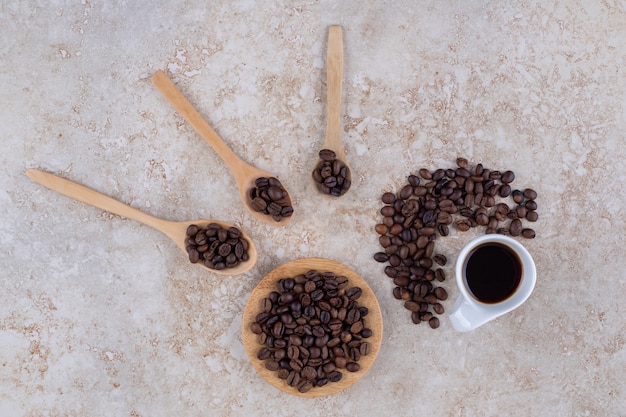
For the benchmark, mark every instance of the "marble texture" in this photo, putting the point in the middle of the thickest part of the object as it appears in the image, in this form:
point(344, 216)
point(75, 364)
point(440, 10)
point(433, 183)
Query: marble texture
point(102, 316)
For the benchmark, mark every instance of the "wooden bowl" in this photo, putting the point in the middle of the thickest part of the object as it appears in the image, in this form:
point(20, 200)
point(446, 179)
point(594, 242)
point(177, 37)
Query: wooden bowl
point(290, 270)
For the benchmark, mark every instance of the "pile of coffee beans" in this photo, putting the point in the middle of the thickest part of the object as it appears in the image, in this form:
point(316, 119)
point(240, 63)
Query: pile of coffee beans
point(268, 196)
point(331, 175)
point(312, 329)
point(433, 201)
point(216, 247)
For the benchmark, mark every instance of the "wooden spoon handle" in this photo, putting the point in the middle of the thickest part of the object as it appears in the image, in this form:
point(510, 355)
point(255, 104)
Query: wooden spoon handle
point(162, 82)
point(94, 198)
point(334, 78)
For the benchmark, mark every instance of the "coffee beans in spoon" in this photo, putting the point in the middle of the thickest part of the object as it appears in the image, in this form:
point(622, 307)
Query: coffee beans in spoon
point(433, 202)
point(331, 175)
point(268, 196)
point(216, 247)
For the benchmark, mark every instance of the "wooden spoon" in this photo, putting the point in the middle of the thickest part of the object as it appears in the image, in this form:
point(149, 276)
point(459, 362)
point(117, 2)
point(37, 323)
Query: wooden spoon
point(245, 174)
point(334, 79)
point(177, 231)
point(302, 266)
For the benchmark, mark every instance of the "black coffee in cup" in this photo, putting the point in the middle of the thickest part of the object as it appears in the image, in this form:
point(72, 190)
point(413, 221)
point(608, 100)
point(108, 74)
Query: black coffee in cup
point(493, 272)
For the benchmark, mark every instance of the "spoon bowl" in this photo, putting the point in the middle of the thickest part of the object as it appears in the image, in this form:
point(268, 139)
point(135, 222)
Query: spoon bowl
point(332, 141)
point(177, 231)
point(244, 173)
point(302, 266)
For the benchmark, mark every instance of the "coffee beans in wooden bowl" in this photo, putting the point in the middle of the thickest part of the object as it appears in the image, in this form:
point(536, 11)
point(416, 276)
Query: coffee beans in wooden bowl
point(312, 327)
point(216, 247)
point(268, 196)
point(426, 208)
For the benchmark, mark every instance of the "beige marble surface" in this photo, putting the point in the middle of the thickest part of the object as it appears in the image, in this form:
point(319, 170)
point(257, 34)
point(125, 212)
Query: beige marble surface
point(102, 316)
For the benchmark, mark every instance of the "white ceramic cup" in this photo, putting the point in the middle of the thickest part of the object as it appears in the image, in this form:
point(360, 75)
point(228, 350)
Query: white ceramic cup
point(468, 312)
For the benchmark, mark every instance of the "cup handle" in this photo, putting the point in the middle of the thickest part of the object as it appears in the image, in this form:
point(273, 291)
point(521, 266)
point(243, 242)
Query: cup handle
point(466, 316)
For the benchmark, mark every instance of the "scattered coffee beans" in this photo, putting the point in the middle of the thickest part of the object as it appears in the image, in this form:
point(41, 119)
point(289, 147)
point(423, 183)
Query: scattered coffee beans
point(428, 206)
point(331, 175)
point(270, 197)
point(312, 329)
point(215, 246)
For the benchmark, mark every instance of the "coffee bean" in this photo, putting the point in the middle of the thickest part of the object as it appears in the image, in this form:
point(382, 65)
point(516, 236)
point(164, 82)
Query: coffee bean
point(327, 155)
point(192, 230)
point(426, 316)
point(263, 353)
point(425, 173)
point(381, 229)
point(518, 196)
point(381, 257)
point(354, 293)
point(530, 194)
point(388, 198)
point(438, 308)
point(293, 379)
point(532, 216)
point(413, 180)
point(352, 366)
point(440, 259)
point(531, 205)
point(271, 365)
point(275, 193)
point(415, 318)
point(274, 209)
point(433, 322)
point(406, 192)
point(388, 211)
point(194, 255)
point(335, 376)
point(482, 219)
point(308, 372)
point(234, 233)
point(495, 175)
point(356, 327)
point(507, 177)
point(304, 386)
point(515, 227)
point(440, 275)
point(463, 225)
point(426, 262)
point(396, 229)
point(279, 354)
point(440, 293)
point(431, 298)
point(321, 382)
point(256, 328)
point(412, 306)
point(528, 233)
point(438, 174)
point(224, 250)
point(330, 182)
